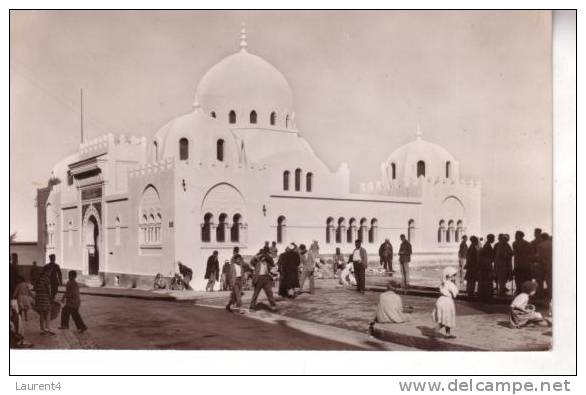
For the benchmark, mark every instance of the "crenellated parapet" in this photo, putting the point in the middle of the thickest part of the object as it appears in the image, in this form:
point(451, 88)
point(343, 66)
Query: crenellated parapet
point(108, 141)
point(161, 166)
point(414, 186)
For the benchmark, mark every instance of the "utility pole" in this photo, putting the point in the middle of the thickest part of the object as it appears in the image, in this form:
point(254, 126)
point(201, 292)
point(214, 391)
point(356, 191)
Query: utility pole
point(81, 113)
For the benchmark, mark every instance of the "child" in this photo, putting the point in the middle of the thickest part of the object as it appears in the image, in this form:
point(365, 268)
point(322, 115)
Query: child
point(72, 302)
point(445, 311)
point(523, 313)
point(24, 296)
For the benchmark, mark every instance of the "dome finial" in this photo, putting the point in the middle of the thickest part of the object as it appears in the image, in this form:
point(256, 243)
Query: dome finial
point(418, 132)
point(243, 43)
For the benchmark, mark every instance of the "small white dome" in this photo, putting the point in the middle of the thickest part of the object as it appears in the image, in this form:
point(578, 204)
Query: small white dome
point(439, 163)
point(202, 134)
point(243, 83)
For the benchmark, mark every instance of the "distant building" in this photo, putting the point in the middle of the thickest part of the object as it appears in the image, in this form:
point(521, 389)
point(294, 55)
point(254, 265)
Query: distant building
point(236, 172)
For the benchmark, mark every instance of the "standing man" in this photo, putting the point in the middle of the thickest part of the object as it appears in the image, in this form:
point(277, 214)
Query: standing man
point(13, 275)
point(544, 251)
point(34, 273)
point(359, 258)
point(72, 301)
point(405, 252)
point(502, 264)
point(462, 252)
point(472, 266)
point(212, 271)
point(186, 274)
point(262, 279)
point(485, 269)
point(537, 272)
point(274, 250)
point(385, 252)
point(234, 280)
point(522, 256)
point(55, 276)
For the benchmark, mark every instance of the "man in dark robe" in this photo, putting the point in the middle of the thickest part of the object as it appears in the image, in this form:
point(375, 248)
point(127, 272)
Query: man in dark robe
point(522, 256)
point(503, 267)
point(462, 252)
point(544, 253)
point(385, 253)
point(537, 271)
point(288, 264)
point(34, 273)
point(187, 275)
point(472, 266)
point(55, 275)
point(486, 269)
point(405, 252)
point(212, 271)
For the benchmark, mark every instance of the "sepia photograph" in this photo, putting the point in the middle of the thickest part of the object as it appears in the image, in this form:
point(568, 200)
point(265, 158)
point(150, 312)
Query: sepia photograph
point(282, 180)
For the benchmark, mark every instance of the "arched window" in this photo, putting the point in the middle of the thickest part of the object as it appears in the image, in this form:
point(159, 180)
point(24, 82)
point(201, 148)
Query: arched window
point(420, 168)
point(373, 231)
point(273, 118)
point(235, 229)
point(309, 182)
point(448, 169)
point(150, 228)
point(411, 231)
point(330, 230)
point(232, 117)
point(281, 229)
point(450, 235)
point(351, 232)
point(206, 228)
point(213, 114)
point(441, 232)
point(341, 229)
point(363, 231)
point(144, 229)
point(393, 171)
point(155, 151)
point(221, 229)
point(287, 121)
point(459, 230)
point(183, 149)
point(220, 150)
point(253, 117)
point(298, 179)
point(286, 180)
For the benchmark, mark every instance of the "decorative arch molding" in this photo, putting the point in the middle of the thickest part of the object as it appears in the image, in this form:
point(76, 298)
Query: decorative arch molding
point(223, 197)
point(455, 198)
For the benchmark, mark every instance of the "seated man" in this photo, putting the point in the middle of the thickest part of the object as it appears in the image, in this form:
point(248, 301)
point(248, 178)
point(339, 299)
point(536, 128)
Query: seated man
point(390, 309)
point(347, 275)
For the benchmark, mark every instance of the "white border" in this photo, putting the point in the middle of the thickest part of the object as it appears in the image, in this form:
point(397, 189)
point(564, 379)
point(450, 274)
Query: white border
point(559, 361)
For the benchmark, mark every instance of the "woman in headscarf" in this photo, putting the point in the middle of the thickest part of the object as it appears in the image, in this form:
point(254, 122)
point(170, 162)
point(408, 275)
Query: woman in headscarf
point(43, 300)
point(289, 271)
point(444, 313)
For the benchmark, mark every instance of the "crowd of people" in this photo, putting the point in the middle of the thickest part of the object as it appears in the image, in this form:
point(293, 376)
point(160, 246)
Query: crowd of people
point(38, 293)
point(291, 270)
point(488, 268)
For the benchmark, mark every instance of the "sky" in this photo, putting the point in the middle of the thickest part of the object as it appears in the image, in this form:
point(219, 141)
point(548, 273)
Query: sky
point(477, 82)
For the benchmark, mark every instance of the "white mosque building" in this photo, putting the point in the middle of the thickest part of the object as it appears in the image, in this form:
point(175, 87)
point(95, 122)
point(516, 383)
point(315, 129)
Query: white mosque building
point(236, 172)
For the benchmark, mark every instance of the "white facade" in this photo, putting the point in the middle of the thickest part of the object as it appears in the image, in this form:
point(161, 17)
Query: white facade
point(235, 171)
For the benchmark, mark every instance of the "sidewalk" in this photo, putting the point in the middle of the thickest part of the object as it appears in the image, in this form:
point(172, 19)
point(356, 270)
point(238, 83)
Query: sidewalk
point(480, 326)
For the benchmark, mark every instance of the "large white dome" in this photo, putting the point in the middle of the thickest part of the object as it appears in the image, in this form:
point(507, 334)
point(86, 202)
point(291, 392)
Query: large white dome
point(243, 83)
point(438, 162)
